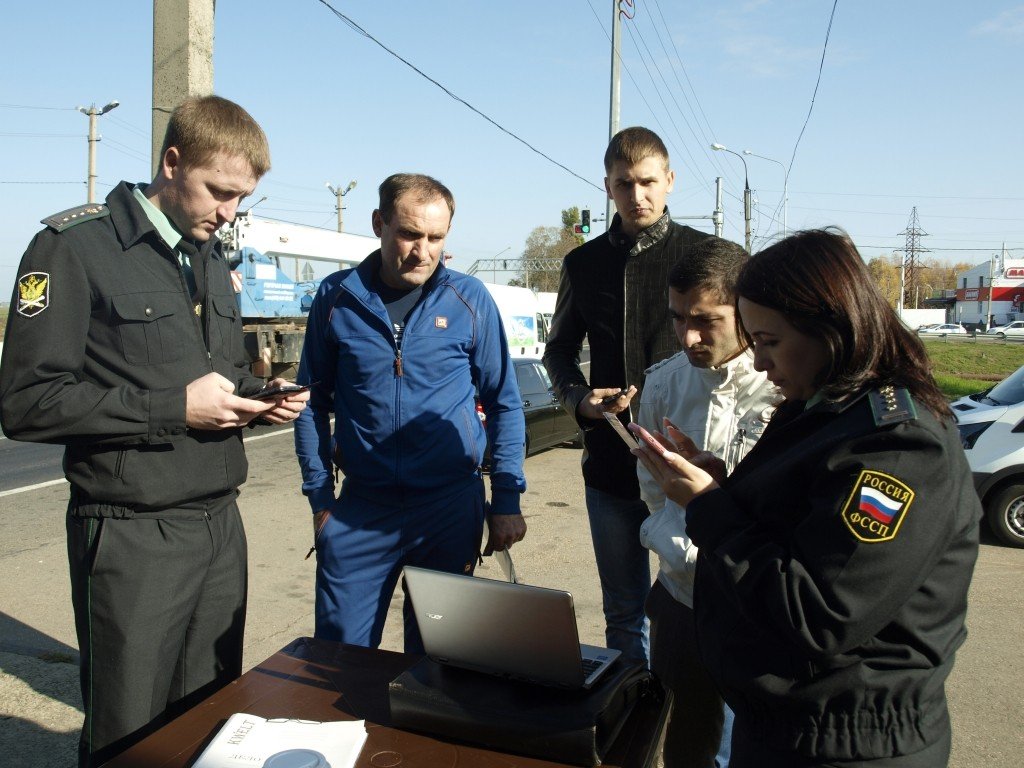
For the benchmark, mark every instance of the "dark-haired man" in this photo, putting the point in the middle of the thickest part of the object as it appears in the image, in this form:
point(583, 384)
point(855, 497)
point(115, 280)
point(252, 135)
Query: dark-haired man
point(613, 291)
point(712, 393)
point(399, 347)
point(125, 346)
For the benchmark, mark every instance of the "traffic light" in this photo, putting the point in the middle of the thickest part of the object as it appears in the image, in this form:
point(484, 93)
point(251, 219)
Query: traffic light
point(585, 221)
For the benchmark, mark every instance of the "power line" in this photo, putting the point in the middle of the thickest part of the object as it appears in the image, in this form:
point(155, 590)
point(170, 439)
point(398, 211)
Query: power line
point(687, 76)
point(42, 182)
point(703, 141)
point(821, 67)
point(45, 135)
point(632, 79)
point(355, 27)
point(27, 106)
point(638, 34)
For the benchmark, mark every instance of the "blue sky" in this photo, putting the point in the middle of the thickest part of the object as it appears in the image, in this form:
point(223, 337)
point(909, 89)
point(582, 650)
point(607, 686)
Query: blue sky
point(918, 105)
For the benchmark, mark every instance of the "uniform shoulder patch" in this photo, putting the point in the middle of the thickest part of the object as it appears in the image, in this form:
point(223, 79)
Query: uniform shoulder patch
point(33, 293)
point(877, 506)
point(58, 222)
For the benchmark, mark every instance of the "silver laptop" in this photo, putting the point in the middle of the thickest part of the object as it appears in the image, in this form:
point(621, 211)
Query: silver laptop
point(512, 630)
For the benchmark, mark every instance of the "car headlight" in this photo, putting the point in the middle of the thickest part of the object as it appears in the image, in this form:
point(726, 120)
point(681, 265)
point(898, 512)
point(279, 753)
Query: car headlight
point(969, 433)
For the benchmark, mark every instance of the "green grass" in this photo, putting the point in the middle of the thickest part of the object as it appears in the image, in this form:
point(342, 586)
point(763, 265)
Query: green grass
point(964, 367)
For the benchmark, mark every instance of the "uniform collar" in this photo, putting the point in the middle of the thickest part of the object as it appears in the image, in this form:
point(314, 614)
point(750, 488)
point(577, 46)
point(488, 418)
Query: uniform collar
point(133, 225)
point(157, 218)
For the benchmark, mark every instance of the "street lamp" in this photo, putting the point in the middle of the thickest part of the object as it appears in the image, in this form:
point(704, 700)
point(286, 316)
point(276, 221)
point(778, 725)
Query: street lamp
point(338, 194)
point(92, 113)
point(746, 188)
point(785, 187)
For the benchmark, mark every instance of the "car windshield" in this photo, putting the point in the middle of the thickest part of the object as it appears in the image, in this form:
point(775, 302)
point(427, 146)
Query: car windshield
point(1010, 390)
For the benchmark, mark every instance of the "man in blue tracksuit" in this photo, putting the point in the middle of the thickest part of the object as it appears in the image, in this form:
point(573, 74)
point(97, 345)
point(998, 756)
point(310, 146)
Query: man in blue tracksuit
point(397, 350)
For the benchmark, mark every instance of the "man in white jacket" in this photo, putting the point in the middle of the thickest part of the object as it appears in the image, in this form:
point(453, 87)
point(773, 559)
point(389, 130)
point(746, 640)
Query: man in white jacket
point(711, 392)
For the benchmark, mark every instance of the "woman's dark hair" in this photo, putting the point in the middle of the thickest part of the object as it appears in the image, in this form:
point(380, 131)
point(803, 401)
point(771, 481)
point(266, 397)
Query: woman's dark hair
point(819, 282)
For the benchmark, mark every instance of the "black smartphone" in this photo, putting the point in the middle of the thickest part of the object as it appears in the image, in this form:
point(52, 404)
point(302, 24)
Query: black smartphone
point(612, 398)
point(287, 389)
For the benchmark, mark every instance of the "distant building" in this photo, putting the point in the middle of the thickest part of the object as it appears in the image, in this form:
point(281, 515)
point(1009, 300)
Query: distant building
point(1003, 278)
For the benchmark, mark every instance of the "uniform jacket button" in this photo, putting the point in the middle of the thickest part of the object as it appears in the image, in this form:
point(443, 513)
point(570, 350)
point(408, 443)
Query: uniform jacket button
point(149, 311)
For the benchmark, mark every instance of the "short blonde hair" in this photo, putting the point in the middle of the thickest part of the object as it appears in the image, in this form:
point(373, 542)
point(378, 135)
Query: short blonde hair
point(202, 126)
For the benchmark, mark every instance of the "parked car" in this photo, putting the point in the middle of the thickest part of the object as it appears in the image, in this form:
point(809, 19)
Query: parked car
point(941, 329)
point(991, 425)
point(1016, 328)
point(547, 423)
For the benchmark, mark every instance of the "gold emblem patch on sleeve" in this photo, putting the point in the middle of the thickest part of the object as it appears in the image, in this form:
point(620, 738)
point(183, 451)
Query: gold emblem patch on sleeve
point(877, 506)
point(33, 293)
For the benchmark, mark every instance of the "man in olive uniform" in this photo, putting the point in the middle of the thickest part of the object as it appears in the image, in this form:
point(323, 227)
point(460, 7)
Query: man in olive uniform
point(124, 344)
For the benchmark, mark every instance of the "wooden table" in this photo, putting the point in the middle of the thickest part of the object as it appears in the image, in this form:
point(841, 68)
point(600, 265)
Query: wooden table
point(321, 680)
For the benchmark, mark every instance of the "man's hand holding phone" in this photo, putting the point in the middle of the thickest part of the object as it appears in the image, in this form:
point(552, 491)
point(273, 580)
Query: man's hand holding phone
point(286, 398)
point(605, 400)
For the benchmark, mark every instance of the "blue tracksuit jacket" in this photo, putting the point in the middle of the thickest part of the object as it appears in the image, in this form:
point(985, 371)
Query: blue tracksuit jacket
point(405, 424)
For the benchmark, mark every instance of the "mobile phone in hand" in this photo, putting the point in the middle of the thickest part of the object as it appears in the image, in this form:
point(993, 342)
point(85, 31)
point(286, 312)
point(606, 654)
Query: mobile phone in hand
point(612, 398)
point(287, 389)
point(647, 438)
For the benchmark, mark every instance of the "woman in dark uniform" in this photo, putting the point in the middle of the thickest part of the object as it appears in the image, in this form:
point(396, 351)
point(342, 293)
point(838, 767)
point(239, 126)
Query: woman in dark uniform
point(835, 561)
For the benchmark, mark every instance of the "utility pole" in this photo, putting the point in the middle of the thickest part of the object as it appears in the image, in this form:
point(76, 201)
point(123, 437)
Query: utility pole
point(182, 60)
point(785, 188)
point(718, 217)
point(92, 113)
point(613, 110)
point(988, 311)
point(339, 193)
point(746, 189)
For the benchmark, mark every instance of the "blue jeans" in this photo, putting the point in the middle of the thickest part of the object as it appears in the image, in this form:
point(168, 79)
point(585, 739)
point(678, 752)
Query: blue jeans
point(623, 565)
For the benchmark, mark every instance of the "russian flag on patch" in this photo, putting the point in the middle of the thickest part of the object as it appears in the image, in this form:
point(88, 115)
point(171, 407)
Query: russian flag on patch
point(878, 505)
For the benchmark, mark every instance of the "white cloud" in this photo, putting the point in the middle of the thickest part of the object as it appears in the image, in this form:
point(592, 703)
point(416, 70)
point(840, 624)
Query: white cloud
point(1008, 24)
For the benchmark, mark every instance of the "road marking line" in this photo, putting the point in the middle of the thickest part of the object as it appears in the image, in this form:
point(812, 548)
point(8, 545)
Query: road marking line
point(48, 483)
point(35, 487)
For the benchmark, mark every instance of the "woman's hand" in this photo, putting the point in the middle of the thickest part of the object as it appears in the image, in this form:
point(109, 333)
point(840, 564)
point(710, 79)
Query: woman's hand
point(686, 448)
point(675, 464)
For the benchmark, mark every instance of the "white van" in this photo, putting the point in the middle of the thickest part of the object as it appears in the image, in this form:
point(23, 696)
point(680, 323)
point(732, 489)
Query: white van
point(991, 425)
point(525, 325)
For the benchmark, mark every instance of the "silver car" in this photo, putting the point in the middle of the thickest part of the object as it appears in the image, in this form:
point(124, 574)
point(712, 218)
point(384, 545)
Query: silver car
point(941, 330)
point(1016, 328)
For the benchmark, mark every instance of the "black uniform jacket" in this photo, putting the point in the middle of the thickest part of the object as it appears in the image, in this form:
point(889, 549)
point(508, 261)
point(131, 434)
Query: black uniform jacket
point(97, 358)
point(832, 579)
point(613, 290)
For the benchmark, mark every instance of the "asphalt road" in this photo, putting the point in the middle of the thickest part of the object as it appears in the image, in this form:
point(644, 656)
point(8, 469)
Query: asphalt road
point(40, 707)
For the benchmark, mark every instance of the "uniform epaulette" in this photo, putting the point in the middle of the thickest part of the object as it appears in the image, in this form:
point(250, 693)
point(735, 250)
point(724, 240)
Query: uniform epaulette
point(891, 405)
point(58, 222)
point(660, 363)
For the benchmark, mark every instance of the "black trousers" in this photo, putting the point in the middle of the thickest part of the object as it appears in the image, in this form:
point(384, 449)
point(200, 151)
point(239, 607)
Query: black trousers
point(694, 730)
point(160, 613)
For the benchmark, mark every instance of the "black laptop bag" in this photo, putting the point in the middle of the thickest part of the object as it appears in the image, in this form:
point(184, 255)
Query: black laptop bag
point(567, 726)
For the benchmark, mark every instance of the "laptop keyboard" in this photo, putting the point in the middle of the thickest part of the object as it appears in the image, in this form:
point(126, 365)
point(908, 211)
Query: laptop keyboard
point(589, 665)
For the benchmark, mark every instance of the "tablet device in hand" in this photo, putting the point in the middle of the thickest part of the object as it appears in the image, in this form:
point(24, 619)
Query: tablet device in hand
point(617, 425)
